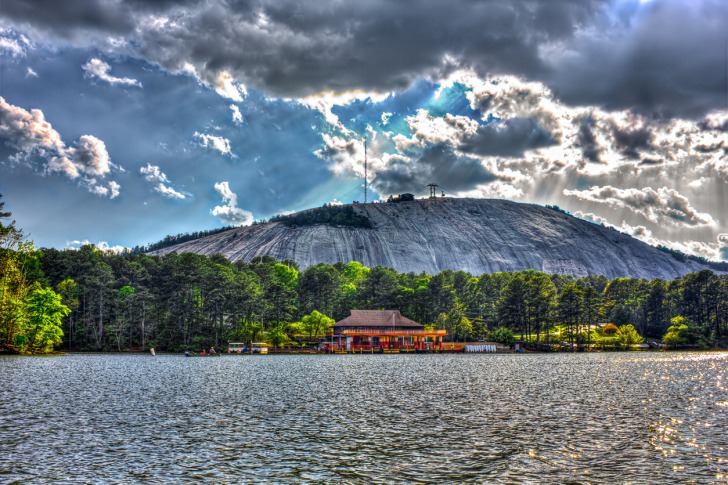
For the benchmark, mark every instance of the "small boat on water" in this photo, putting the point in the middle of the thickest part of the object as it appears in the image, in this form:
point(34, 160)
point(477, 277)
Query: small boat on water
point(241, 348)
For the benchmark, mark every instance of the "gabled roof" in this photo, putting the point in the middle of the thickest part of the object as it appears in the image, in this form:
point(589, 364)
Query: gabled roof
point(377, 318)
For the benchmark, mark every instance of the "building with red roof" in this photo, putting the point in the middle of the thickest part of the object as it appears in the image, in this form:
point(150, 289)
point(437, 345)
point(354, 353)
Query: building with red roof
point(383, 331)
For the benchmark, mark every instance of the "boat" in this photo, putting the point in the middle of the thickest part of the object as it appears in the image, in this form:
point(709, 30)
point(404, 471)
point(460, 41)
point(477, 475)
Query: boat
point(241, 348)
point(259, 348)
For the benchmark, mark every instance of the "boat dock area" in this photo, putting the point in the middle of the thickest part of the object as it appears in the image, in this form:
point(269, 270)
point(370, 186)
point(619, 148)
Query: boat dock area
point(445, 348)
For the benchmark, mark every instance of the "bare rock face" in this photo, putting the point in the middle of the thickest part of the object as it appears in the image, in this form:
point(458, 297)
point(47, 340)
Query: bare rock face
point(431, 235)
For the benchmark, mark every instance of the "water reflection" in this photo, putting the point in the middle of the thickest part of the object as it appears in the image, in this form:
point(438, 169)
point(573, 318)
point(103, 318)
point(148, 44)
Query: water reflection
point(598, 418)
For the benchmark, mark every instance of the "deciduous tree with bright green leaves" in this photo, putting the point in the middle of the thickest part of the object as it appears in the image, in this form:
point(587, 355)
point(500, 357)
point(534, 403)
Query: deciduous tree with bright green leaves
point(316, 324)
point(502, 335)
point(42, 329)
point(678, 333)
point(628, 335)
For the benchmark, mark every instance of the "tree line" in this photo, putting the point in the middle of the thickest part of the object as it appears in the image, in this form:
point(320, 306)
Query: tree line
point(92, 300)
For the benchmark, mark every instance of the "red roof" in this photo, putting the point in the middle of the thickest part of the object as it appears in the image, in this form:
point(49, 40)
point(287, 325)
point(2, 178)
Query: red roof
point(377, 318)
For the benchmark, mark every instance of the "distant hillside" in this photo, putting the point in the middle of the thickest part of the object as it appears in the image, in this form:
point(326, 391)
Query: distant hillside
point(431, 235)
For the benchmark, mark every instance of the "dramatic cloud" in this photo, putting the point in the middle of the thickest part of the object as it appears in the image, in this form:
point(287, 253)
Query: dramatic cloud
point(27, 130)
point(436, 163)
point(217, 143)
point(155, 176)
point(98, 69)
point(295, 49)
point(87, 160)
point(88, 156)
point(230, 213)
point(659, 206)
point(666, 58)
point(509, 138)
point(523, 143)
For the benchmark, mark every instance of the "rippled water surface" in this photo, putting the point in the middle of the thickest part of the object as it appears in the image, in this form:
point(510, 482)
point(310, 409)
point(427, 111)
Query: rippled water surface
point(467, 418)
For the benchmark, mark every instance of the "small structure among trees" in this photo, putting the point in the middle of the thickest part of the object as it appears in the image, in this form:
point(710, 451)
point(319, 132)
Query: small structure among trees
point(383, 331)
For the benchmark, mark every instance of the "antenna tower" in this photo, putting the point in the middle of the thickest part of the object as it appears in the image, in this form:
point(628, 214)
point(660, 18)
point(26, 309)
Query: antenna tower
point(365, 170)
point(433, 190)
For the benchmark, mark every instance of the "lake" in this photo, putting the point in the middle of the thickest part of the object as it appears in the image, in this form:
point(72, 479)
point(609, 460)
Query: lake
point(456, 418)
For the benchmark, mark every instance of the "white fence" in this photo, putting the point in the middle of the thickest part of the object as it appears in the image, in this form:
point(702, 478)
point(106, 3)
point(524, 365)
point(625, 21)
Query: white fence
point(480, 348)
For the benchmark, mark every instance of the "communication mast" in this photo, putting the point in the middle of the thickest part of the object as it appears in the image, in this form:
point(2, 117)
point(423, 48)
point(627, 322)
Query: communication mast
point(365, 170)
point(433, 190)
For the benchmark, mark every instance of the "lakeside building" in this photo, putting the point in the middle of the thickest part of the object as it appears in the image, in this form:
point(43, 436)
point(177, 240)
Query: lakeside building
point(382, 331)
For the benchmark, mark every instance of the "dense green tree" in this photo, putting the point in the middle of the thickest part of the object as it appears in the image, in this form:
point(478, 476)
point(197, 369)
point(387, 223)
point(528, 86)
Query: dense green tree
point(656, 310)
point(316, 324)
point(277, 335)
point(248, 331)
point(540, 303)
point(570, 309)
point(629, 336)
point(319, 289)
point(380, 289)
point(45, 311)
point(512, 307)
point(678, 333)
point(502, 335)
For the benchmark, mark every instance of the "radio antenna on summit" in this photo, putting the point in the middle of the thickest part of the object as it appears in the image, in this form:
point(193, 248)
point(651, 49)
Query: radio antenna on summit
point(433, 190)
point(365, 169)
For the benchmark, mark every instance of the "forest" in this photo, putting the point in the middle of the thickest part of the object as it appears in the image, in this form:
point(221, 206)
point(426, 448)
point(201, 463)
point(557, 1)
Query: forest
point(91, 300)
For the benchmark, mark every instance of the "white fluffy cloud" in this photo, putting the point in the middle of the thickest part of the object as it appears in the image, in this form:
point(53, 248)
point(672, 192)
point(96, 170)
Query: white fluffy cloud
point(588, 216)
point(228, 88)
point(230, 213)
point(661, 206)
point(217, 143)
point(152, 173)
point(161, 183)
point(101, 245)
point(110, 190)
point(13, 45)
point(87, 160)
point(237, 115)
point(98, 69)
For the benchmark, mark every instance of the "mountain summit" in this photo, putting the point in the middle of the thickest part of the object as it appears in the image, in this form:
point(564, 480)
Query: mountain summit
point(431, 235)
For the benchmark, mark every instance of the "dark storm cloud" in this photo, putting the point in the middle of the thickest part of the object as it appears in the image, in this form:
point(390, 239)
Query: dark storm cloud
point(295, 48)
point(65, 17)
point(588, 141)
point(629, 142)
point(507, 139)
point(662, 58)
point(669, 59)
point(437, 164)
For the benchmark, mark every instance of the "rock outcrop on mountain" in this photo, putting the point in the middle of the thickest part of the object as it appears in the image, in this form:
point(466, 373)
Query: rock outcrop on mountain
point(431, 235)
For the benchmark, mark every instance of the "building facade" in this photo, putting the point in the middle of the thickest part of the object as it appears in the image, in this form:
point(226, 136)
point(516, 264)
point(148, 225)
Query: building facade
point(382, 331)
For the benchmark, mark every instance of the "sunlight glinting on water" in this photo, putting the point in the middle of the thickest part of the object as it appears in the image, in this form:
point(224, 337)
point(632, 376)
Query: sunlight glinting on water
point(469, 418)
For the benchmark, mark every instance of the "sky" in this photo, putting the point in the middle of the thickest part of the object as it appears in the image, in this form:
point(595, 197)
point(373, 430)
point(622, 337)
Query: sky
point(125, 121)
